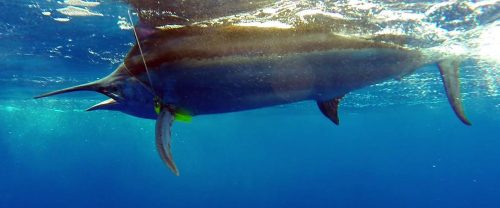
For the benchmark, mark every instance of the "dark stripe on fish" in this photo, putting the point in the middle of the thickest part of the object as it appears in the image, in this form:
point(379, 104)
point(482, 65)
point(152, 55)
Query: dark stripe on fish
point(199, 43)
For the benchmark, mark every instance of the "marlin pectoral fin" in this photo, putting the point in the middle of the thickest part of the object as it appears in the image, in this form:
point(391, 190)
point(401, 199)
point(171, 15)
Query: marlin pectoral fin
point(449, 69)
point(330, 109)
point(163, 137)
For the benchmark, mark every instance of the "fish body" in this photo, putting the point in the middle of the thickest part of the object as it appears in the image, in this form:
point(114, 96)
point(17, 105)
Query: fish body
point(218, 70)
point(208, 70)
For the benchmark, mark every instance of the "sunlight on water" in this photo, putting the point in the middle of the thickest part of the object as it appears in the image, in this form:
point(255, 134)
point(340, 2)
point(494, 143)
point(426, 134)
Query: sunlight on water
point(273, 24)
point(489, 55)
point(81, 3)
point(469, 30)
point(77, 11)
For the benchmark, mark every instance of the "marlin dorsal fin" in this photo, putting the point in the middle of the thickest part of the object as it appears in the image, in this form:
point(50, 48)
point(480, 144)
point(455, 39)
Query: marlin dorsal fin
point(330, 109)
point(163, 138)
point(144, 31)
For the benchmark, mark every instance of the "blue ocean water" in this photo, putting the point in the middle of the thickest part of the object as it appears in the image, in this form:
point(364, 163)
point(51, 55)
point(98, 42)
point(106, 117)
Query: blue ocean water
point(399, 144)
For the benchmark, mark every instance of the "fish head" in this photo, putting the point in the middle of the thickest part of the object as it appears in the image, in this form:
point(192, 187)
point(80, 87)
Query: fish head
point(127, 94)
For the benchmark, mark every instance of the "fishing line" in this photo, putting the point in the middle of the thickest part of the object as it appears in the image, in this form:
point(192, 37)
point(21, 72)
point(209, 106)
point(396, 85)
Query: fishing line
point(140, 50)
point(156, 100)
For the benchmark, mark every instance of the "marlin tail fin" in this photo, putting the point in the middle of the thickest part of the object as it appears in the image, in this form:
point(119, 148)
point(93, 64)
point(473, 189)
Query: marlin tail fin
point(449, 69)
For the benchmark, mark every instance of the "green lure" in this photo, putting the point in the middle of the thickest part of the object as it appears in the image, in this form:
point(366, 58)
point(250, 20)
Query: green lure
point(183, 116)
point(157, 105)
point(179, 115)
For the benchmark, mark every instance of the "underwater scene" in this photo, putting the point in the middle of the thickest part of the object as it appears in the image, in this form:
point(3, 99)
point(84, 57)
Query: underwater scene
point(264, 103)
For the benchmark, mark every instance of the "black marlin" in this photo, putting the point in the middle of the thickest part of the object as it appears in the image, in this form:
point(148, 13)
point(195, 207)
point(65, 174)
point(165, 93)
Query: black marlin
point(183, 72)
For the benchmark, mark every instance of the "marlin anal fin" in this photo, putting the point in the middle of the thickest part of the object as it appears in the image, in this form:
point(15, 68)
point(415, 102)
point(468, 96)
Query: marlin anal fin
point(163, 138)
point(330, 109)
point(449, 69)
